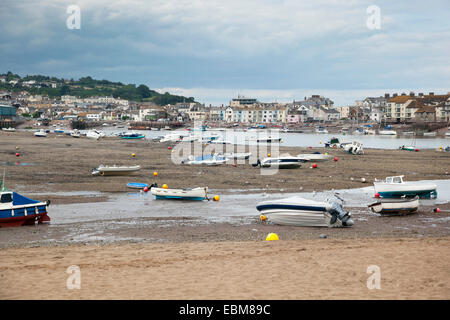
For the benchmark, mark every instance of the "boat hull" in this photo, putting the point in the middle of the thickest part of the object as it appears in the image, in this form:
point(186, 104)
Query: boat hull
point(196, 194)
point(392, 207)
point(23, 211)
point(386, 190)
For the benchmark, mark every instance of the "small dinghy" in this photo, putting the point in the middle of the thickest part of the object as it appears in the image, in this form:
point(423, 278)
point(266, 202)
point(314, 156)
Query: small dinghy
point(395, 206)
point(209, 160)
point(114, 170)
point(297, 211)
point(181, 194)
point(17, 210)
point(137, 185)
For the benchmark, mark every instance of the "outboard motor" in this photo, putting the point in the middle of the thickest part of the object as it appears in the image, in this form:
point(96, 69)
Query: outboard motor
point(338, 214)
point(153, 185)
point(258, 163)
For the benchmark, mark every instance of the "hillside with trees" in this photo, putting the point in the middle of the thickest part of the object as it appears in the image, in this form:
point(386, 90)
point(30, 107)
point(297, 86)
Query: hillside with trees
point(86, 87)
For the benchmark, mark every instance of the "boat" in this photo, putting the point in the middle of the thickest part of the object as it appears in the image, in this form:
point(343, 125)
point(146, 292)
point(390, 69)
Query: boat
point(181, 194)
point(354, 148)
point(297, 211)
point(58, 131)
point(333, 143)
point(395, 206)
point(95, 134)
point(395, 187)
point(447, 134)
point(9, 129)
point(317, 157)
point(429, 134)
point(174, 137)
point(75, 134)
point(283, 162)
point(409, 148)
point(387, 132)
point(321, 130)
point(220, 142)
point(369, 131)
point(40, 133)
point(137, 185)
point(408, 133)
point(209, 160)
point(132, 135)
point(114, 170)
point(237, 155)
point(268, 140)
point(18, 210)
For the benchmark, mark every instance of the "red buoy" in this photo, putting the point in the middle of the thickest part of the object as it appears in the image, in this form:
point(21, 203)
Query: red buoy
point(377, 195)
point(416, 150)
point(17, 154)
point(145, 189)
point(169, 148)
point(314, 165)
point(437, 210)
point(335, 158)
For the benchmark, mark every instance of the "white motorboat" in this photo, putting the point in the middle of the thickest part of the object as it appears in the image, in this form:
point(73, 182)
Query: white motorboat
point(95, 134)
point(174, 137)
point(395, 187)
point(317, 157)
point(284, 162)
point(369, 131)
point(9, 129)
point(181, 194)
point(40, 133)
point(387, 132)
point(209, 160)
point(429, 134)
point(297, 211)
point(354, 148)
point(447, 134)
point(75, 134)
point(408, 133)
point(114, 170)
point(395, 206)
point(321, 130)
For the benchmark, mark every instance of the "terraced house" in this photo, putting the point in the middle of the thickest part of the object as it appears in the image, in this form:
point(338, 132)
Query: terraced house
point(416, 108)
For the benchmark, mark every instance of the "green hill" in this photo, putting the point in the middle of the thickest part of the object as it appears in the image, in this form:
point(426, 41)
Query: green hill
point(87, 87)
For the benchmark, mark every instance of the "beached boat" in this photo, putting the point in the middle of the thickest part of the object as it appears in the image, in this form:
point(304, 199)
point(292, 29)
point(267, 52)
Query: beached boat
point(429, 134)
point(395, 187)
point(395, 206)
point(181, 194)
point(132, 135)
point(137, 185)
point(283, 162)
point(268, 140)
point(354, 148)
point(9, 129)
point(114, 170)
point(408, 148)
point(95, 134)
point(40, 133)
point(297, 211)
point(209, 160)
point(174, 137)
point(408, 133)
point(17, 210)
point(447, 134)
point(317, 157)
point(321, 130)
point(387, 132)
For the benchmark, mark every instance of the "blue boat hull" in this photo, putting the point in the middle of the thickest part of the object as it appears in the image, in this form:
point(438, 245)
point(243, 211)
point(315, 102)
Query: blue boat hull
point(25, 211)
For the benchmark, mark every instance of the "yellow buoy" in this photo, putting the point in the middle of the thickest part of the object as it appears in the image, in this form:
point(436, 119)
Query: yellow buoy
point(133, 155)
point(326, 153)
point(165, 186)
point(155, 174)
point(268, 155)
point(216, 198)
point(272, 237)
point(262, 217)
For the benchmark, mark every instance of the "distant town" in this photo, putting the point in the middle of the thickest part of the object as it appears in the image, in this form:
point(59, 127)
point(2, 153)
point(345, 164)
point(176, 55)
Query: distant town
point(36, 99)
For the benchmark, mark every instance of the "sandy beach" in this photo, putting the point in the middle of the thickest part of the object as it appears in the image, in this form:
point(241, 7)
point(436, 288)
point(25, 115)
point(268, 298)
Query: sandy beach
point(190, 260)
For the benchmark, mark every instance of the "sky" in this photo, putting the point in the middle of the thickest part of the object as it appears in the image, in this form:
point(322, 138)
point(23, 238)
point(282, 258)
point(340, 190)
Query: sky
point(215, 50)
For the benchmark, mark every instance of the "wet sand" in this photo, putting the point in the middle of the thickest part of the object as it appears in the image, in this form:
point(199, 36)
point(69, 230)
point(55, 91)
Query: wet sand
point(186, 259)
point(62, 163)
